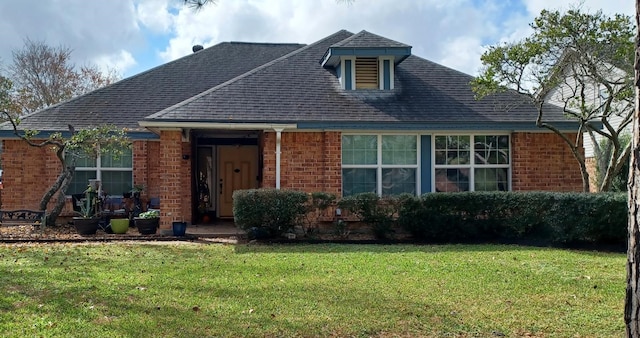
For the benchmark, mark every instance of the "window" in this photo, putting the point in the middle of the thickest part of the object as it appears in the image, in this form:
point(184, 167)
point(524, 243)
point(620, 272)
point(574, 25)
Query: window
point(383, 164)
point(481, 165)
point(115, 174)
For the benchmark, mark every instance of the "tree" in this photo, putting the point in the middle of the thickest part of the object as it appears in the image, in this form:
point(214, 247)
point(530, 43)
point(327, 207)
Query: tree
point(68, 148)
point(581, 62)
point(632, 298)
point(44, 75)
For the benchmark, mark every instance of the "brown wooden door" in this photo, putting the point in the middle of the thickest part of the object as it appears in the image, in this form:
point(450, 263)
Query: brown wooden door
point(237, 169)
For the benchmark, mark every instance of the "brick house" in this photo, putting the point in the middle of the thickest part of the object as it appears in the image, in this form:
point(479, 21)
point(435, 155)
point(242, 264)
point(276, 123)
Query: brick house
point(347, 114)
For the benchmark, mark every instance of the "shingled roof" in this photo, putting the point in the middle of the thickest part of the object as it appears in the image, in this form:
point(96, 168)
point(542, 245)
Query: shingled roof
point(126, 102)
point(297, 89)
point(286, 83)
point(365, 39)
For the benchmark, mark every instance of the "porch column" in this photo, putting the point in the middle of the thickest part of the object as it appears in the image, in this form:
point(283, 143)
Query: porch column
point(278, 147)
point(170, 182)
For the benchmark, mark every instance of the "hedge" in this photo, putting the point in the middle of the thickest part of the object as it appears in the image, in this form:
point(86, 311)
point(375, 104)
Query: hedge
point(544, 217)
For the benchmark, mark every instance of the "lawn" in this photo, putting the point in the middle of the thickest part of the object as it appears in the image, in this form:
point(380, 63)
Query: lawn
point(204, 290)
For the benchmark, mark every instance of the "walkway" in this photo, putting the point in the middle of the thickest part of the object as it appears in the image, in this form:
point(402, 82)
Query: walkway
point(221, 230)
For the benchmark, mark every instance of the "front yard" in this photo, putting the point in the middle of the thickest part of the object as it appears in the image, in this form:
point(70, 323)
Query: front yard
point(194, 290)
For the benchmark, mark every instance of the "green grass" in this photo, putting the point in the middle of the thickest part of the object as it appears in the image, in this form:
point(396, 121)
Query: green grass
point(196, 290)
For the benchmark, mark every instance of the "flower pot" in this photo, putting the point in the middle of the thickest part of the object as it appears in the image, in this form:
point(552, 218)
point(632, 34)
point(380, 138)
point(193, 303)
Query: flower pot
point(179, 228)
point(119, 225)
point(147, 226)
point(86, 226)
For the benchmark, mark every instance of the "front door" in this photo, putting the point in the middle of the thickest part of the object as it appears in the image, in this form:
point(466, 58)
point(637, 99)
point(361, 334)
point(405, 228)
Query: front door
point(237, 169)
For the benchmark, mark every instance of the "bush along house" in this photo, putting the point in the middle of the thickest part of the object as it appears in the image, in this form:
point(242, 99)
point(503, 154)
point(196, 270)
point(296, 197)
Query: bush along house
point(347, 114)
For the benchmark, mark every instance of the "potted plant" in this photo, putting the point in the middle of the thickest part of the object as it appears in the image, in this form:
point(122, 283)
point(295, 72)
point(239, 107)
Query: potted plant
point(119, 225)
point(147, 222)
point(86, 223)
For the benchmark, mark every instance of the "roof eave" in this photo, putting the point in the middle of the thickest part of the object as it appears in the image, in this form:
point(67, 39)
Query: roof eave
point(332, 57)
point(159, 125)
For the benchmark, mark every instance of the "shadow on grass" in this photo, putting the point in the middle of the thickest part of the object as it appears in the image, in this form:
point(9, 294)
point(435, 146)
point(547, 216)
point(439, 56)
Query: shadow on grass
point(405, 246)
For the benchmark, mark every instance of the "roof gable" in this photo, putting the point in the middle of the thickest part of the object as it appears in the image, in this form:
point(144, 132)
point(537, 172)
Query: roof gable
point(365, 44)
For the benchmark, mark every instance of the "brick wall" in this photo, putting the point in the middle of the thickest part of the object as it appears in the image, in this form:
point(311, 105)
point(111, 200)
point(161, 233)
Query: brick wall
point(27, 173)
point(175, 179)
point(308, 161)
point(543, 161)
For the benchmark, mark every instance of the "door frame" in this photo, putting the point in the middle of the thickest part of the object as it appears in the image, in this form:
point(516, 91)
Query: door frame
point(214, 139)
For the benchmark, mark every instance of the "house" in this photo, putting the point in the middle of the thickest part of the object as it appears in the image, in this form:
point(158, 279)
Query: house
point(349, 113)
point(593, 94)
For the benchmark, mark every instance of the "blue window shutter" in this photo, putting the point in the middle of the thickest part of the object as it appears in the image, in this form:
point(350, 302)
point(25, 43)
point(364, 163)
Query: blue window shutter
point(425, 163)
point(347, 75)
point(386, 65)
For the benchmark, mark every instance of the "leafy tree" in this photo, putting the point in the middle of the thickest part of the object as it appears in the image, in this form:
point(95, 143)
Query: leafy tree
point(581, 62)
point(67, 147)
point(44, 75)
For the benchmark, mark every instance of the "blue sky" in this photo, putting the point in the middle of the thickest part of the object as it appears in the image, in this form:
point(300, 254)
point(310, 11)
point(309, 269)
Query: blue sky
point(135, 35)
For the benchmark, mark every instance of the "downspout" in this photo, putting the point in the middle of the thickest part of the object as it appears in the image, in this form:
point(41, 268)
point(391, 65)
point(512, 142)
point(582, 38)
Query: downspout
point(278, 147)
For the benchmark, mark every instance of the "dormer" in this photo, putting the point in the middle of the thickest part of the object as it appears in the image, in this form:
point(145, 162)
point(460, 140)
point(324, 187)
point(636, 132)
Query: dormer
point(365, 61)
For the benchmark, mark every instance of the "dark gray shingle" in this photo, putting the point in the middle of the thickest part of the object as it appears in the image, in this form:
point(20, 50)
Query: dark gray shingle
point(128, 101)
point(296, 88)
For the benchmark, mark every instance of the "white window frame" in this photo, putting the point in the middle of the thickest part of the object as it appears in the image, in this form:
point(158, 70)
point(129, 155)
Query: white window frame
point(379, 166)
point(381, 71)
point(99, 169)
point(472, 165)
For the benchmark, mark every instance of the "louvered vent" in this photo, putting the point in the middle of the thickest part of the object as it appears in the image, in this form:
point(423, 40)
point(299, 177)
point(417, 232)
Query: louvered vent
point(367, 73)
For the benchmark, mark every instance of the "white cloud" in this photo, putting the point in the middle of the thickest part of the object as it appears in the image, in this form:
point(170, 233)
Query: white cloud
point(463, 54)
point(153, 31)
point(155, 15)
point(120, 61)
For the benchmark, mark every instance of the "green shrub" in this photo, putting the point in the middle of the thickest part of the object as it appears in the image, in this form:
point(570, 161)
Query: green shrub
point(375, 211)
point(269, 210)
point(317, 204)
point(534, 217)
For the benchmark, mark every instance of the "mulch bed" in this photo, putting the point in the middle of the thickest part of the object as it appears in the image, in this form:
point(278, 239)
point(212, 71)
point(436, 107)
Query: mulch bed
point(67, 233)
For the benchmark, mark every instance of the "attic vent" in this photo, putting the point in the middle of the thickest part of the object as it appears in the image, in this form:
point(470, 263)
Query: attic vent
point(367, 73)
point(197, 48)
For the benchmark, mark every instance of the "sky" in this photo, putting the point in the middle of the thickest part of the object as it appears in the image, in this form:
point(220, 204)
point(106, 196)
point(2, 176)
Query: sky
point(131, 36)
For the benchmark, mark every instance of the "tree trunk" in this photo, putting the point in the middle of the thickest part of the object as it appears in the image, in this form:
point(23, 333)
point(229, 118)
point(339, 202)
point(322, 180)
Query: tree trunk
point(632, 299)
point(62, 197)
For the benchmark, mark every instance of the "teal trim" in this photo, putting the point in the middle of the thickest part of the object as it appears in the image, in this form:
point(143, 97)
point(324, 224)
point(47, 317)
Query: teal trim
point(347, 75)
point(332, 56)
point(8, 134)
point(386, 73)
point(425, 164)
point(417, 126)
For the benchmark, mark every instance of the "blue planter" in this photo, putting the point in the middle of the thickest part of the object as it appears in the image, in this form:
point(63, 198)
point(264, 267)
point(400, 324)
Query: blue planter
point(179, 228)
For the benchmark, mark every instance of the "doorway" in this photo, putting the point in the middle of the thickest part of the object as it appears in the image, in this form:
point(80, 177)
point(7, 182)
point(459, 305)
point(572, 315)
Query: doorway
point(237, 170)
